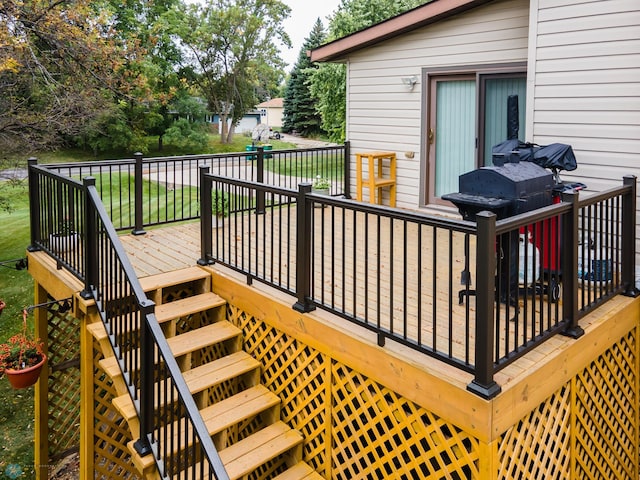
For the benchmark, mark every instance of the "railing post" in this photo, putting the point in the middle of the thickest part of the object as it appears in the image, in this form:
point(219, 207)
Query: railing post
point(483, 383)
point(347, 169)
point(569, 258)
point(147, 368)
point(303, 250)
point(138, 229)
point(628, 237)
point(34, 205)
point(90, 241)
point(260, 179)
point(206, 222)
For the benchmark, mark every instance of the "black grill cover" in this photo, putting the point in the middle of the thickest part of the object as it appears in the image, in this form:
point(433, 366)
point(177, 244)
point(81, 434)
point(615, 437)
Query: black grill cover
point(556, 156)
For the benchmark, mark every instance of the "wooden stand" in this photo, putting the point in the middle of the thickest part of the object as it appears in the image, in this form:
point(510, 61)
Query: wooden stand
point(376, 181)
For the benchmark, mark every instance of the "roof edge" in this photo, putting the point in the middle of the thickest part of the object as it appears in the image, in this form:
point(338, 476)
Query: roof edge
point(405, 22)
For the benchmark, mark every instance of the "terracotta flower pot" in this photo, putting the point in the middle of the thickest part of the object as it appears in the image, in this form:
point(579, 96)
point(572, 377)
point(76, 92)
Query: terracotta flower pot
point(25, 377)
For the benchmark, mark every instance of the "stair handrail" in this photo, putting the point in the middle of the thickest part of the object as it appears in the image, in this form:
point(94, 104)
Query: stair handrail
point(134, 304)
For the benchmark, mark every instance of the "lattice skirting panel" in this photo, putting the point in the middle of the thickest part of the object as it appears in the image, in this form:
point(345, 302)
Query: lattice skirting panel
point(63, 396)
point(356, 428)
point(587, 429)
point(111, 432)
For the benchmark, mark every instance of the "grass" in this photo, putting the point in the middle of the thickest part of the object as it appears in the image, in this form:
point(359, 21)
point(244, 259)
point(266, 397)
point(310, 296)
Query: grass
point(16, 288)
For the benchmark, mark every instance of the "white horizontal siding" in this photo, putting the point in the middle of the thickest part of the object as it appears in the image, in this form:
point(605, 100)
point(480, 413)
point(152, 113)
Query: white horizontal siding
point(383, 115)
point(586, 71)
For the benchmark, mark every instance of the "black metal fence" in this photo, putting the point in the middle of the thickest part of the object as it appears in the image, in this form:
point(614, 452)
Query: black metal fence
point(475, 295)
point(142, 192)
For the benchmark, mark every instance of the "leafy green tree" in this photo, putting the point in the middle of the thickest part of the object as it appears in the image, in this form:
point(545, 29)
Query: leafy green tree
point(231, 45)
point(57, 59)
point(328, 82)
point(300, 112)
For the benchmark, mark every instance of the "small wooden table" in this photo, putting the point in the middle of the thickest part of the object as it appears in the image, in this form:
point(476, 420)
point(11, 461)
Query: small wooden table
point(376, 180)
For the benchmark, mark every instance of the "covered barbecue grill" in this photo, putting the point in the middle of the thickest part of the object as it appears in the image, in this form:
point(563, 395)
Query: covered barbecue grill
point(506, 190)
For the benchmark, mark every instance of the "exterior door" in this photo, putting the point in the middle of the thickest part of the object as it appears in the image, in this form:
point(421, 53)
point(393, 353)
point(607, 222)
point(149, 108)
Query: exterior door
point(467, 117)
point(452, 133)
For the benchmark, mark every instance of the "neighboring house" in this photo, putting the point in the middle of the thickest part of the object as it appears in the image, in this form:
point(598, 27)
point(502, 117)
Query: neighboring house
point(246, 124)
point(271, 112)
point(433, 82)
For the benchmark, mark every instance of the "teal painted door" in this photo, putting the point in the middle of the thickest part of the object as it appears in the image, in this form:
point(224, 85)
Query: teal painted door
point(467, 117)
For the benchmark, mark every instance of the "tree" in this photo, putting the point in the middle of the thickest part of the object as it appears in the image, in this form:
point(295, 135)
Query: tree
point(57, 60)
point(328, 82)
point(300, 112)
point(232, 46)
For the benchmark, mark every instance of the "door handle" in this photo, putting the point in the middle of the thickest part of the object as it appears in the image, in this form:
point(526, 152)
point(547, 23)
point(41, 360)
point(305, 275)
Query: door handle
point(431, 136)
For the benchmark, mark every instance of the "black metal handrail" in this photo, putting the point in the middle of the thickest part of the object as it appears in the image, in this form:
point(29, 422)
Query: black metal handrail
point(169, 417)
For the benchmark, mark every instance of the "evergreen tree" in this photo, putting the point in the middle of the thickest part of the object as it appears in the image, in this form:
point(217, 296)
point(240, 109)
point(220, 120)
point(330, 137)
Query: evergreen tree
point(300, 112)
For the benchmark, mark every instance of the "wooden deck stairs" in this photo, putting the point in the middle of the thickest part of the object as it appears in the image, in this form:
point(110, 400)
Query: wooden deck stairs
point(241, 414)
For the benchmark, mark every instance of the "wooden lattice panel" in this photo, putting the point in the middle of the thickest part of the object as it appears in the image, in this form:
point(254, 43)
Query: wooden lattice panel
point(378, 434)
point(606, 414)
point(372, 432)
point(63, 396)
point(111, 432)
point(539, 445)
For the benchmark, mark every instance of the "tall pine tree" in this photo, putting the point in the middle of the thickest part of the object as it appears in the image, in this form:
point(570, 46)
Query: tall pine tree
point(300, 112)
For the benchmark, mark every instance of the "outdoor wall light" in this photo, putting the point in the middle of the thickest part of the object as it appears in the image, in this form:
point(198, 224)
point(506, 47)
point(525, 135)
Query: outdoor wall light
point(410, 82)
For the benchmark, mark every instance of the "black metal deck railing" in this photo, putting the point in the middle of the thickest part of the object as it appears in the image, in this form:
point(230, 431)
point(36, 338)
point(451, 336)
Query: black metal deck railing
point(396, 272)
point(401, 274)
point(142, 192)
point(171, 427)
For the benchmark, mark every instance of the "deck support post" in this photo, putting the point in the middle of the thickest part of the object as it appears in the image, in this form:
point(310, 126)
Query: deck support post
point(628, 237)
point(483, 383)
point(147, 368)
point(303, 250)
point(91, 241)
point(260, 179)
point(138, 228)
point(206, 222)
point(569, 249)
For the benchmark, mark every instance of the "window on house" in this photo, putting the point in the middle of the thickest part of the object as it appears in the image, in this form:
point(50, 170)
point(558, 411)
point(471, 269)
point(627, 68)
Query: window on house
point(467, 116)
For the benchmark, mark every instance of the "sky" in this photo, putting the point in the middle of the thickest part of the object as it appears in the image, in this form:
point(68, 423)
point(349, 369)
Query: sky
point(299, 24)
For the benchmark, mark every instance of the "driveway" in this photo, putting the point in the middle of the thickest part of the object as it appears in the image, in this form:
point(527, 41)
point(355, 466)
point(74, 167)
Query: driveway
point(305, 142)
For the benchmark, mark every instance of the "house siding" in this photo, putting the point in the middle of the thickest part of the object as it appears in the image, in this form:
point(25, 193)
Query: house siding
point(384, 115)
point(585, 65)
point(586, 71)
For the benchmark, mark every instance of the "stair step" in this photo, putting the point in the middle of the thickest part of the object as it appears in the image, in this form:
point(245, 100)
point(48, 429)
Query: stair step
point(97, 330)
point(229, 412)
point(175, 277)
point(182, 344)
point(246, 455)
point(188, 306)
point(199, 378)
point(300, 471)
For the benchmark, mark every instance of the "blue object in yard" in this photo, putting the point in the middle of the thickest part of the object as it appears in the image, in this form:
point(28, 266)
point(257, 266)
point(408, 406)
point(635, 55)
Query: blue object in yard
point(266, 148)
point(250, 148)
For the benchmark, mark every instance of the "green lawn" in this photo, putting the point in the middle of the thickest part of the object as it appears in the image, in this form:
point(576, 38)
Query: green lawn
point(16, 289)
